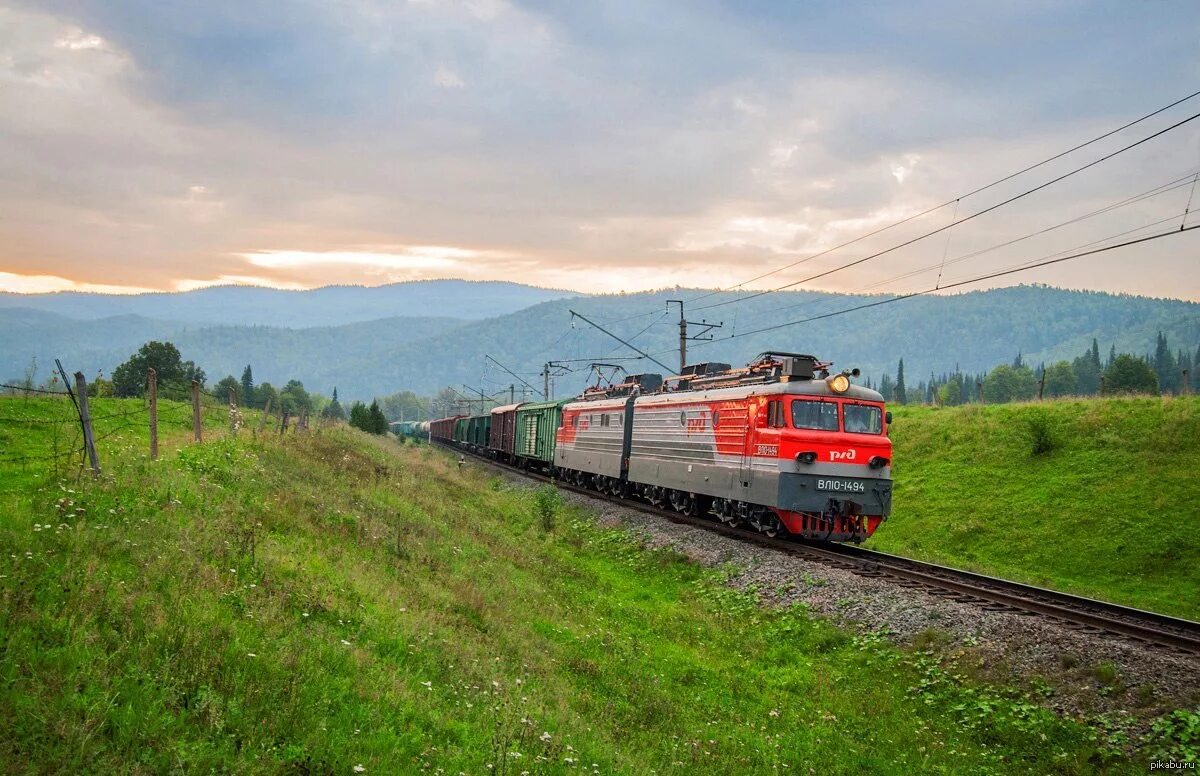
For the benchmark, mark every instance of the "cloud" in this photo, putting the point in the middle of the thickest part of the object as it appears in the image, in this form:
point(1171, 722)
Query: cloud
point(447, 78)
point(46, 284)
point(577, 145)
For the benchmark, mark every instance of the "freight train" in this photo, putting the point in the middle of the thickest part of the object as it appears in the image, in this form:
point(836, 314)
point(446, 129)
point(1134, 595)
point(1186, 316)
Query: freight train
point(781, 445)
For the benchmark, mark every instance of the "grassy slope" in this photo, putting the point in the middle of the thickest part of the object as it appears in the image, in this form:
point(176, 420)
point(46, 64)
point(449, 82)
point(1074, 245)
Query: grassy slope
point(1112, 511)
point(313, 603)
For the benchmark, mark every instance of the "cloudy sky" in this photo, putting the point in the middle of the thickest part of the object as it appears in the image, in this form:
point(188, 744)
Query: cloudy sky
point(592, 146)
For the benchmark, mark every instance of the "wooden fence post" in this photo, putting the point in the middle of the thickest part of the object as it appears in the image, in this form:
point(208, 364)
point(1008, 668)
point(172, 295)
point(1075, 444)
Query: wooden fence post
point(262, 422)
point(197, 435)
point(233, 411)
point(152, 382)
point(85, 418)
point(1042, 385)
point(283, 423)
point(1186, 386)
point(302, 424)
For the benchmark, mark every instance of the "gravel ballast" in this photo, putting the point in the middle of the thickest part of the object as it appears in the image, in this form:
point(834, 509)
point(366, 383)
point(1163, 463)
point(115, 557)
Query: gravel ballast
point(1074, 672)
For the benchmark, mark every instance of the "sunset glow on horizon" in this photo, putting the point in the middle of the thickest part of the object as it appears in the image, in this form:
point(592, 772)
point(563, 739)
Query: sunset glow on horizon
point(141, 155)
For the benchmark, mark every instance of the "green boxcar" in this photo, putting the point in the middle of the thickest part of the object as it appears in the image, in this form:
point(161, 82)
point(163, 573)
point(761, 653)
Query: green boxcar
point(537, 423)
point(460, 429)
point(478, 428)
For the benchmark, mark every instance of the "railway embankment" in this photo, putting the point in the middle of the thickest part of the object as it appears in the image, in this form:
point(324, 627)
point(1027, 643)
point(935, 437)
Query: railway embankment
point(329, 602)
point(1098, 497)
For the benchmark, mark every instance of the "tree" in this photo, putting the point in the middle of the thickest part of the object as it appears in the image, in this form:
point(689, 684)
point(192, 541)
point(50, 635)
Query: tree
point(376, 422)
point(266, 392)
point(1165, 365)
point(224, 386)
point(172, 372)
point(404, 405)
point(951, 393)
point(333, 410)
point(1087, 371)
point(899, 392)
point(885, 387)
point(359, 417)
point(1006, 383)
point(247, 398)
point(1127, 374)
point(1060, 379)
point(294, 399)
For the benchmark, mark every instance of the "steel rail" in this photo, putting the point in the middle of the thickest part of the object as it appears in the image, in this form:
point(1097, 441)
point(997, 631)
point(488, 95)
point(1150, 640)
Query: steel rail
point(1088, 615)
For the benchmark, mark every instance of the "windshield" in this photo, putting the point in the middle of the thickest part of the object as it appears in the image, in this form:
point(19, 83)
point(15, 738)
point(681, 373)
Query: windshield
point(863, 419)
point(815, 415)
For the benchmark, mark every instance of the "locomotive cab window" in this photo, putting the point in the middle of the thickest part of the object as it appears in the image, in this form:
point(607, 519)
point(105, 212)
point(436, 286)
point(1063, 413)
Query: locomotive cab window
point(775, 417)
point(862, 419)
point(815, 415)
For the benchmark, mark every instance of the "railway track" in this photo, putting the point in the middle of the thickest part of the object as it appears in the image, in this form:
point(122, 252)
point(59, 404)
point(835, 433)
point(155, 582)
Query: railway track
point(1151, 629)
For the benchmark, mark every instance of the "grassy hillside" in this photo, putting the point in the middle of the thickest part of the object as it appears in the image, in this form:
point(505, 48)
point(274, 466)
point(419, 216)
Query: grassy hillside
point(329, 602)
point(1100, 497)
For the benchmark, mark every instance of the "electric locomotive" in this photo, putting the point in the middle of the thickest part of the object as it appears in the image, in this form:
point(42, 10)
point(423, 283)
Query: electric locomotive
point(780, 445)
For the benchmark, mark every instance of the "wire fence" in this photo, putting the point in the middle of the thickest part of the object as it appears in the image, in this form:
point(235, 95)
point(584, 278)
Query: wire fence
point(34, 431)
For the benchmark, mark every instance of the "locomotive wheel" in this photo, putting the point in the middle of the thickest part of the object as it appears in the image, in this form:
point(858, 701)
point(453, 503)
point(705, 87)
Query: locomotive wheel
point(683, 502)
point(765, 522)
point(727, 511)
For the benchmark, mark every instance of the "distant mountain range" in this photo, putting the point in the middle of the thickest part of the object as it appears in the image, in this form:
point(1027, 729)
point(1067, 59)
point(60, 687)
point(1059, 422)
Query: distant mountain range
point(328, 306)
point(440, 335)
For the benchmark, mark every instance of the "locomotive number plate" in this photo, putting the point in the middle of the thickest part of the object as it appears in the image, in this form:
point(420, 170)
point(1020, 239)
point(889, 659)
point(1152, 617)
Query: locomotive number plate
point(841, 486)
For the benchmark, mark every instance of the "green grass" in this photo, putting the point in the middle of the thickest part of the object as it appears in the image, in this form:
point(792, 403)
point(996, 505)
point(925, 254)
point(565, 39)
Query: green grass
point(316, 602)
point(1099, 497)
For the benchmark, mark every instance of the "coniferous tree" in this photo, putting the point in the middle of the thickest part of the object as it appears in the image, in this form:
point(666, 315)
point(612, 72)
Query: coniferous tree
point(333, 410)
point(359, 418)
point(378, 424)
point(899, 391)
point(247, 399)
point(1165, 365)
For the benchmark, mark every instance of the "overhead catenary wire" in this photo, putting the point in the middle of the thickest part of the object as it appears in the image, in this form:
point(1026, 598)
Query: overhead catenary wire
point(955, 199)
point(978, 279)
point(972, 216)
point(1164, 188)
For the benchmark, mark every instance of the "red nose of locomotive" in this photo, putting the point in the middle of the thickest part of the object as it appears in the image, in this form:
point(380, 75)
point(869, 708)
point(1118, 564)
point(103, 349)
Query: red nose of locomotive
point(835, 466)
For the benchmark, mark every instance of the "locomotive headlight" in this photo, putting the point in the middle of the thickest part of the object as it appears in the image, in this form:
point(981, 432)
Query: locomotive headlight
point(839, 383)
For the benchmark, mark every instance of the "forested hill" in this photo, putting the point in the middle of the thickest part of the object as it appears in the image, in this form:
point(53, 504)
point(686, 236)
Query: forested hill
point(973, 331)
point(328, 306)
point(277, 354)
